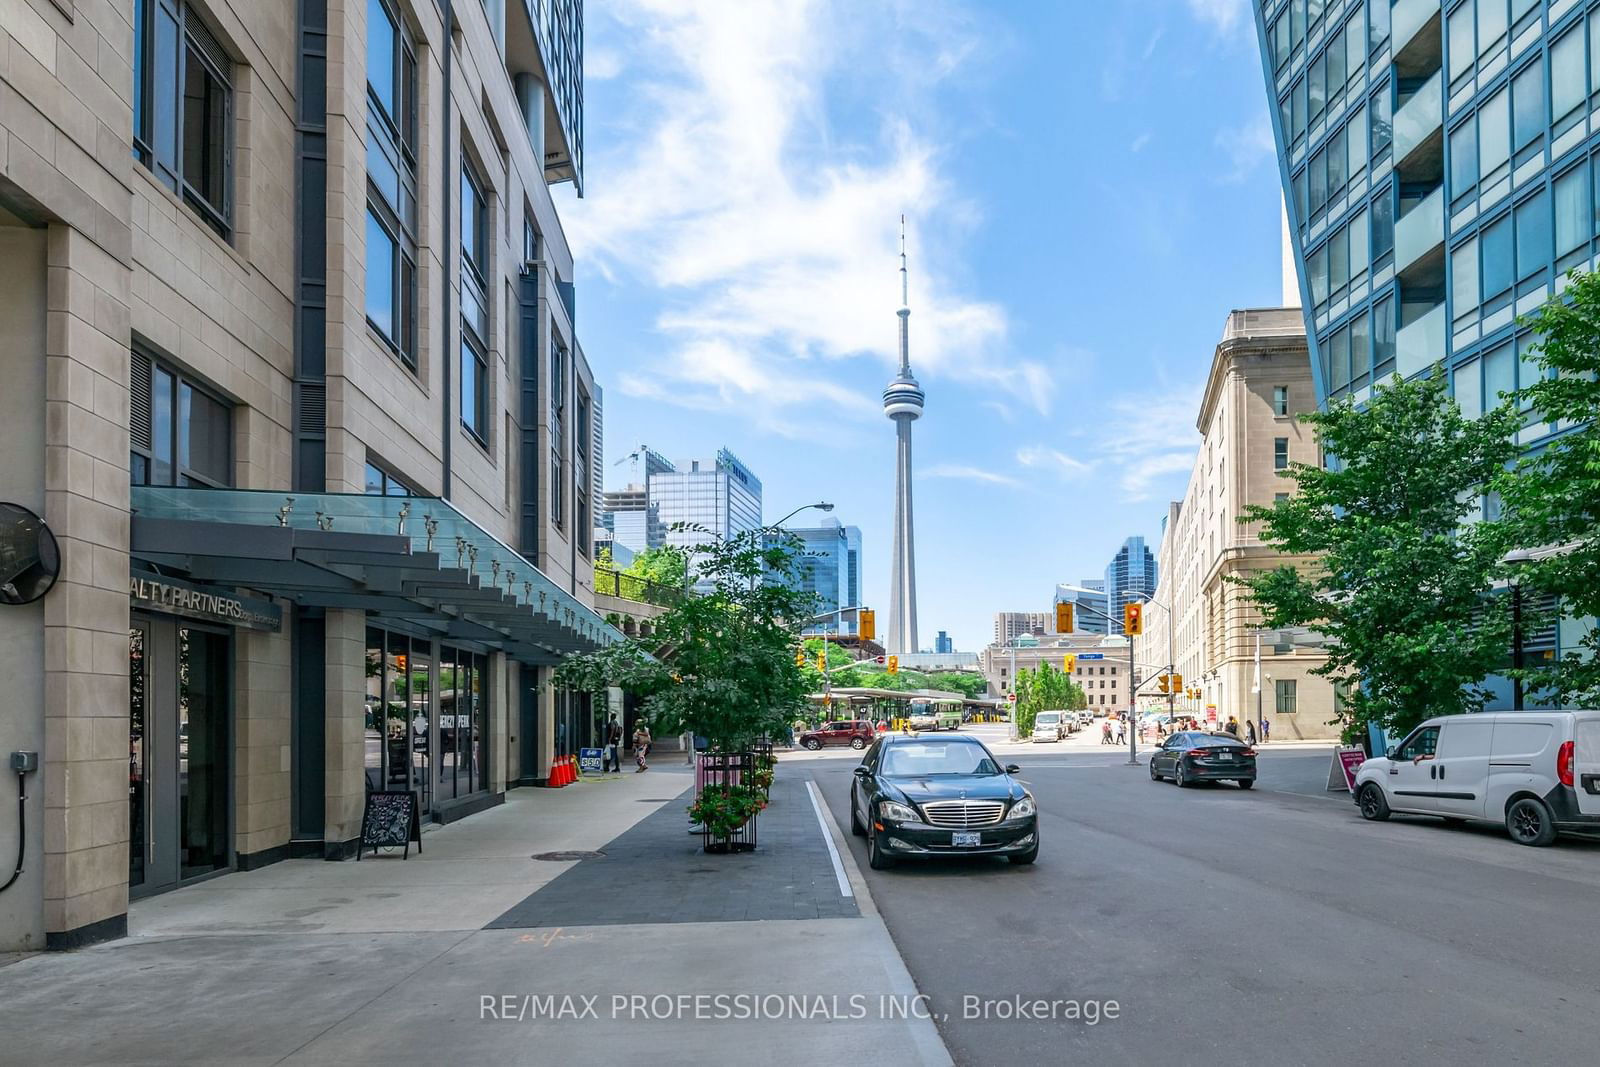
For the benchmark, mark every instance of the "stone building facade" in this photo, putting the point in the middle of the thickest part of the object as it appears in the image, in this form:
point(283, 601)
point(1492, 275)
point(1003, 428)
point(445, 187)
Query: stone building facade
point(292, 375)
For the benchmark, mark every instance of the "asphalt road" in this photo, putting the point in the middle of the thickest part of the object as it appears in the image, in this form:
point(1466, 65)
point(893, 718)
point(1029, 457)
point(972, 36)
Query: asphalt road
point(1266, 927)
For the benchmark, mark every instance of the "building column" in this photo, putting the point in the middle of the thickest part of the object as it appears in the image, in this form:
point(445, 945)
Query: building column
point(547, 724)
point(262, 749)
point(502, 726)
point(85, 788)
point(345, 731)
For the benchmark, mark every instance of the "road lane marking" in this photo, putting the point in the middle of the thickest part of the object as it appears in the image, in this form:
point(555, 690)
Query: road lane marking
point(827, 838)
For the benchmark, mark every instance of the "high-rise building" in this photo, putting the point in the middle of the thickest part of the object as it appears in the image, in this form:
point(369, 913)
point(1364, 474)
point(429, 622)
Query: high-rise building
point(902, 402)
point(1436, 159)
point(1130, 576)
point(1093, 619)
point(711, 498)
point(291, 275)
point(942, 645)
point(628, 513)
point(829, 566)
point(1009, 625)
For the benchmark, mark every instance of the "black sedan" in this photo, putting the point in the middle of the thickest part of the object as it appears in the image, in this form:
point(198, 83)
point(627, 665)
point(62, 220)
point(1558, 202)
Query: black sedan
point(940, 796)
point(1191, 757)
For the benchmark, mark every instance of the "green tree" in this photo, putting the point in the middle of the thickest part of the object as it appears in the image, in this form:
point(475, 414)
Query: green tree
point(667, 565)
point(968, 685)
point(720, 665)
point(1402, 589)
point(1553, 499)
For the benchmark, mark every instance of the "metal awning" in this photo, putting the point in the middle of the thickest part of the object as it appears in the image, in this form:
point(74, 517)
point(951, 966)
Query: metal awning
point(415, 558)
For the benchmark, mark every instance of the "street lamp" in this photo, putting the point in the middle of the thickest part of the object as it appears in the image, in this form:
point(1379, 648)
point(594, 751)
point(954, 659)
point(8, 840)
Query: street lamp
point(820, 506)
point(1520, 555)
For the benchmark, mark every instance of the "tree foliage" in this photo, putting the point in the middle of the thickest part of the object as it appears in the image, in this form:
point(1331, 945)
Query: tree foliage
point(1553, 502)
point(720, 665)
point(666, 565)
point(1403, 587)
point(1045, 689)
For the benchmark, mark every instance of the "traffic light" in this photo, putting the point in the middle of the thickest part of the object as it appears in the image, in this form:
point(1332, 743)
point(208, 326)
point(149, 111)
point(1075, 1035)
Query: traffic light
point(868, 625)
point(1063, 617)
point(894, 664)
point(800, 657)
point(1069, 662)
point(822, 659)
point(1163, 682)
point(1133, 619)
point(1177, 682)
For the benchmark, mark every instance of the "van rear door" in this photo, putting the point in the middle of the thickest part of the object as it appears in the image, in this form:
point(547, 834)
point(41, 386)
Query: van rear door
point(1461, 767)
point(1586, 769)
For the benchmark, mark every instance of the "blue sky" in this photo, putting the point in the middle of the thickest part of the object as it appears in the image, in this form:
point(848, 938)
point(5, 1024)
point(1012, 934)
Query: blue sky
point(1090, 189)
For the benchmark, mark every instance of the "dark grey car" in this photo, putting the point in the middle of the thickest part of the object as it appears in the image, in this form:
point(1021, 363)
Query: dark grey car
point(1191, 756)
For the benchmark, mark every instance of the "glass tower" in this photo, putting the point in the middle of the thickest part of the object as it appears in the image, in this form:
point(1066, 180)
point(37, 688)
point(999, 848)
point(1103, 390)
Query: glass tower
point(1436, 156)
point(717, 498)
point(1131, 576)
point(830, 567)
point(1085, 622)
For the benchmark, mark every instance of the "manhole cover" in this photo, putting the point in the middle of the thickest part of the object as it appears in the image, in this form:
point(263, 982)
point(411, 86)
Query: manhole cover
point(566, 857)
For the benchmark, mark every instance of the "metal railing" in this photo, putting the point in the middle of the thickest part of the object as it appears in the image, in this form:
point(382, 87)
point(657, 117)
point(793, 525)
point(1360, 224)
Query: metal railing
point(624, 586)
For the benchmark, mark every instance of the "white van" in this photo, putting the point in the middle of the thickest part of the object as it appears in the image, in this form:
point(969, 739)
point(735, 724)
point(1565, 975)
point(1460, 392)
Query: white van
point(1538, 772)
point(1047, 726)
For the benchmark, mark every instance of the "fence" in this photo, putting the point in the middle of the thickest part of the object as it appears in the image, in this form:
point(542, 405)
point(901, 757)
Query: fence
point(631, 587)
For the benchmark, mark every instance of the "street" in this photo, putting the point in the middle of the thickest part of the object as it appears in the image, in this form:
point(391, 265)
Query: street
point(1261, 927)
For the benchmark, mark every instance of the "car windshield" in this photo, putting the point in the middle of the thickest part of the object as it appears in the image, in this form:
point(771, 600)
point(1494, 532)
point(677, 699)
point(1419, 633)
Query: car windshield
point(923, 758)
point(1212, 741)
point(1048, 716)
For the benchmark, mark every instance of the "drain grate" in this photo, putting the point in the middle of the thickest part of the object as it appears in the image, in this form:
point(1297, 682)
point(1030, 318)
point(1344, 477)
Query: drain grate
point(566, 857)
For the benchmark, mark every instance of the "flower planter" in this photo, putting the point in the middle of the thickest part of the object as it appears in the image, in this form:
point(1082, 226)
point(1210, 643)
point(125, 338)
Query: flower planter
point(729, 802)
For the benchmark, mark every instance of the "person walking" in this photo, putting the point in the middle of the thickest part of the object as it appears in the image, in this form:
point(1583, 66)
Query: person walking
point(1249, 733)
point(613, 753)
point(1233, 726)
point(641, 747)
point(1122, 731)
point(1105, 732)
point(1266, 730)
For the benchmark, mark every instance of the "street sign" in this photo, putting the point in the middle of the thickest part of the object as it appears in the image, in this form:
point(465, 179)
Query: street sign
point(1091, 655)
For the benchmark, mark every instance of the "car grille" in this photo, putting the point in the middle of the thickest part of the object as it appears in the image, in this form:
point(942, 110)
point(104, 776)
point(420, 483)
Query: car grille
point(961, 814)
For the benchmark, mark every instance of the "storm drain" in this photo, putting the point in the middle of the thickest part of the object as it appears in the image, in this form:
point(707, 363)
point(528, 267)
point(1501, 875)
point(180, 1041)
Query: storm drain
point(566, 857)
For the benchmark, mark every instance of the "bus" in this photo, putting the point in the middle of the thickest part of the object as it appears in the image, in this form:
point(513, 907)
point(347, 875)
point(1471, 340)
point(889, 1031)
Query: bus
point(935, 715)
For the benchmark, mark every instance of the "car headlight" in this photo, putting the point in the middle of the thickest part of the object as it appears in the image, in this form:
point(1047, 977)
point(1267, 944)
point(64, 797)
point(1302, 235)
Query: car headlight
point(1021, 809)
point(896, 812)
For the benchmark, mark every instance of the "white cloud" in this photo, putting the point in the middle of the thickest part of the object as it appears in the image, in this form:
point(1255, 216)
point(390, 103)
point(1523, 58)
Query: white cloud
point(1051, 459)
point(1158, 438)
point(971, 474)
point(1222, 14)
point(1140, 142)
point(769, 236)
point(1246, 148)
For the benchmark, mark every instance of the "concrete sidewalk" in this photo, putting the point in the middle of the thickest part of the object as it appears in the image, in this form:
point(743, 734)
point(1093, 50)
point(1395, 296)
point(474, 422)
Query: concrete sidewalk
point(389, 961)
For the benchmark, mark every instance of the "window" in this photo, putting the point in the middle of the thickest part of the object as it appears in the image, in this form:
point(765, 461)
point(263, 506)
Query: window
point(1464, 277)
point(1318, 261)
point(1499, 373)
point(1336, 71)
point(1378, 27)
point(1382, 113)
point(1494, 133)
point(1533, 235)
point(1280, 400)
point(1571, 214)
point(379, 482)
point(1421, 743)
point(183, 108)
point(1360, 254)
point(1279, 498)
point(1495, 266)
point(1469, 389)
point(1567, 82)
point(1383, 222)
point(474, 307)
point(180, 433)
point(581, 524)
point(1463, 157)
point(1383, 326)
point(1491, 23)
point(1463, 51)
point(1286, 696)
point(1360, 351)
point(1280, 453)
point(391, 276)
point(558, 407)
point(1528, 119)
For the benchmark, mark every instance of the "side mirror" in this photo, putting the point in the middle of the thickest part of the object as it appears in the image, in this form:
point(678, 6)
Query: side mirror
point(862, 771)
point(1012, 768)
point(1390, 753)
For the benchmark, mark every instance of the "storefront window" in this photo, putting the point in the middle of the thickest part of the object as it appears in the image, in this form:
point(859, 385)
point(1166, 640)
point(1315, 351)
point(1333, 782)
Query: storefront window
point(399, 686)
point(463, 722)
point(204, 752)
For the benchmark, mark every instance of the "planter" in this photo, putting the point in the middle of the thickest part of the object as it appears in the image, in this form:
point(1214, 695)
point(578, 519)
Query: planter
point(729, 803)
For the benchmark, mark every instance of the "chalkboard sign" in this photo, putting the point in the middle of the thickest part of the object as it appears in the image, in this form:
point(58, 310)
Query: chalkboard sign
point(390, 819)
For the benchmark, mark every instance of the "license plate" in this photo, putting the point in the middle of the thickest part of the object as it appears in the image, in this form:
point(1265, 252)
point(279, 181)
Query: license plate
point(966, 840)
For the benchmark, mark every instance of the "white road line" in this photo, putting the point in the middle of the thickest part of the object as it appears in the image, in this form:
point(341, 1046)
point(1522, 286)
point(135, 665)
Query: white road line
point(833, 853)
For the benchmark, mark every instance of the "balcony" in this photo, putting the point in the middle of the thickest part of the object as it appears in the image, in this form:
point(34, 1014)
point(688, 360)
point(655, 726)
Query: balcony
point(1419, 231)
point(1407, 18)
point(1420, 118)
point(1421, 344)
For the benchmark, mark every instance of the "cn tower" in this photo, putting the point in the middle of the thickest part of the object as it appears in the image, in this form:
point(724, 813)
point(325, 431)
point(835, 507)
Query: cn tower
point(902, 402)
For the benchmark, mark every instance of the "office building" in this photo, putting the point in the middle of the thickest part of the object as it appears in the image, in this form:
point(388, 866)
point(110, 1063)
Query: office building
point(1089, 609)
point(902, 402)
point(1130, 576)
point(710, 499)
point(1101, 665)
point(1009, 625)
point(292, 374)
point(1260, 380)
point(1439, 161)
point(942, 645)
point(829, 567)
point(628, 513)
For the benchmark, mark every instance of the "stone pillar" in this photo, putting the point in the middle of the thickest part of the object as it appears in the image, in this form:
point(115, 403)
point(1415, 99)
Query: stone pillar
point(86, 616)
point(502, 724)
point(547, 724)
point(345, 697)
point(261, 756)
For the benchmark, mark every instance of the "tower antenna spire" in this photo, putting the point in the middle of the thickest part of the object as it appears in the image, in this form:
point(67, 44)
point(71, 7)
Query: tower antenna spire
point(905, 307)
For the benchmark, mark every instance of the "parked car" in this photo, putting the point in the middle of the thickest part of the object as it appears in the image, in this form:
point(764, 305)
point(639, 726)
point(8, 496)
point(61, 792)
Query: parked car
point(857, 733)
point(940, 796)
point(1047, 726)
point(1538, 773)
point(1191, 757)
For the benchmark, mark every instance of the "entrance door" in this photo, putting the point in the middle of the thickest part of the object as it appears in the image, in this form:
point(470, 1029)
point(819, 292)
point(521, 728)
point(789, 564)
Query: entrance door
point(180, 753)
point(400, 741)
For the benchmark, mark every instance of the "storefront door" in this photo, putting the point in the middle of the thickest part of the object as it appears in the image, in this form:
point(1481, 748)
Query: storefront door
point(180, 747)
point(400, 737)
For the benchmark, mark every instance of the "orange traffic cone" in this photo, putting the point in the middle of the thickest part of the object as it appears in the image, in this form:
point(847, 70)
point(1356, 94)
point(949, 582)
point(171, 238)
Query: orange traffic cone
point(556, 770)
point(577, 769)
point(566, 770)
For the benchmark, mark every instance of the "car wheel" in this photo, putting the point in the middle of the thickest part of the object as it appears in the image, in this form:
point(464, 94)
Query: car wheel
point(1372, 802)
point(1529, 823)
point(855, 820)
point(1247, 783)
point(812, 743)
point(1182, 777)
point(1154, 777)
point(877, 859)
point(858, 743)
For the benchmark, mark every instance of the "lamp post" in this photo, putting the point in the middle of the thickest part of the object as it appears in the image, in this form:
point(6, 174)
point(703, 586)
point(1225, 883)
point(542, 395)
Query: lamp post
point(1520, 555)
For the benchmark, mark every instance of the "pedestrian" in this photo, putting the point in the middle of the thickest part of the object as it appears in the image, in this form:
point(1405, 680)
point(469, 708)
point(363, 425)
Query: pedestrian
point(1105, 732)
point(1266, 731)
point(641, 747)
point(1250, 733)
point(1233, 726)
point(1122, 731)
point(613, 753)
